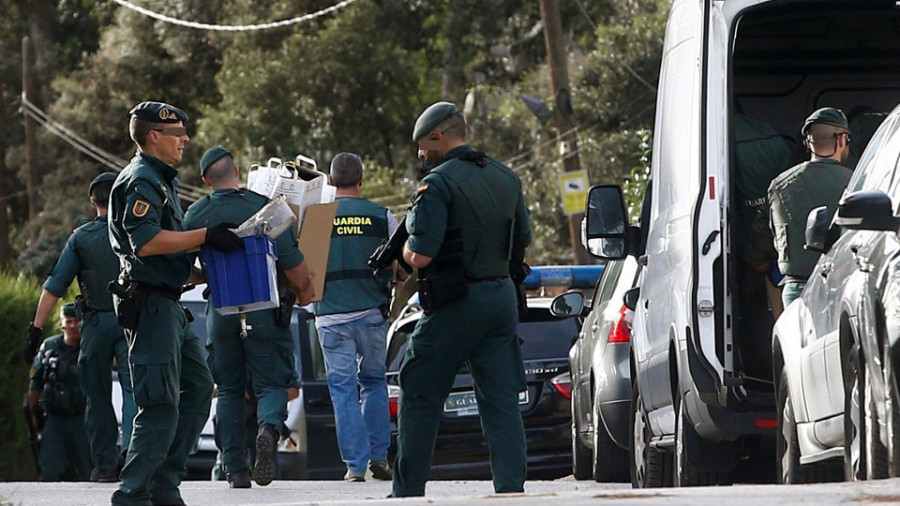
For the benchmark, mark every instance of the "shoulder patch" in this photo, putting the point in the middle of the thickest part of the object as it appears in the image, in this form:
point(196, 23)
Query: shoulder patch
point(32, 373)
point(140, 208)
point(422, 188)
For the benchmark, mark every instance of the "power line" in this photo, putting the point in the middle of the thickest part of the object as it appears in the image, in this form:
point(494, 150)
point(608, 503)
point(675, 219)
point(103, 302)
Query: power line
point(234, 28)
point(185, 191)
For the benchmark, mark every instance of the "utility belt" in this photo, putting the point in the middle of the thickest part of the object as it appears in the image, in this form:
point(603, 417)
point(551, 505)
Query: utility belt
point(133, 294)
point(82, 309)
point(439, 288)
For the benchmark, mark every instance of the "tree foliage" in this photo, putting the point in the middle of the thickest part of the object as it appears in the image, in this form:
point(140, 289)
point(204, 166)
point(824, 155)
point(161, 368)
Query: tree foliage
point(354, 80)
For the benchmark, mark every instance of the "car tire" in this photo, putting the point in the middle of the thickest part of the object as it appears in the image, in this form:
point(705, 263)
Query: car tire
point(609, 459)
point(648, 466)
point(788, 446)
point(581, 454)
point(892, 410)
point(688, 444)
point(865, 457)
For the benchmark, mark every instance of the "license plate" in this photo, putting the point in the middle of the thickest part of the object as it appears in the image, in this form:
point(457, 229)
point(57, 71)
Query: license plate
point(465, 403)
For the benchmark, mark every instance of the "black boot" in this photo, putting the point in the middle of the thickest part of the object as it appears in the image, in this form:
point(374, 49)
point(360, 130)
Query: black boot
point(266, 467)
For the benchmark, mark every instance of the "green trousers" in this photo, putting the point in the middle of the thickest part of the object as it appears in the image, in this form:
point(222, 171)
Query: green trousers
point(173, 391)
point(64, 440)
point(102, 340)
point(479, 329)
point(267, 354)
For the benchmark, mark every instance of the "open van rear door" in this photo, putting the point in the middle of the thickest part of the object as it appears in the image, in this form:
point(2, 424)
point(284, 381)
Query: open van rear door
point(711, 336)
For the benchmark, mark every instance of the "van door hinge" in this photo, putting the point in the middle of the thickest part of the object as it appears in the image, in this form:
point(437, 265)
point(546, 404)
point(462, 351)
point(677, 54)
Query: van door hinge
point(706, 308)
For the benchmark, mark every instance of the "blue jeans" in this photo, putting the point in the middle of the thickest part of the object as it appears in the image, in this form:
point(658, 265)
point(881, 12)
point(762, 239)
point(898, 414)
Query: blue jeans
point(355, 357)
point(790, 291)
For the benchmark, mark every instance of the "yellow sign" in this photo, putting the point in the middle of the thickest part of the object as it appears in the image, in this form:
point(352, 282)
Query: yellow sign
point(573, 186)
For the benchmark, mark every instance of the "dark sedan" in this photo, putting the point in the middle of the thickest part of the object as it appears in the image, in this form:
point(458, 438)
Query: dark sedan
point(461, 451)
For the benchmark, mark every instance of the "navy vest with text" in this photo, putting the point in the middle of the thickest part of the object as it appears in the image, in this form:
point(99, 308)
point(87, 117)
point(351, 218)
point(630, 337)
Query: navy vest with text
point(359, 227)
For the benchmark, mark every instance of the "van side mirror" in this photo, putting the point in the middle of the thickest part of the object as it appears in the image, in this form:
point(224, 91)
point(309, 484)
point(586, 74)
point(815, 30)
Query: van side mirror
point(607, 234)
point(631, 297)
point(867, 210)
point(567, 304)
point(817, 230)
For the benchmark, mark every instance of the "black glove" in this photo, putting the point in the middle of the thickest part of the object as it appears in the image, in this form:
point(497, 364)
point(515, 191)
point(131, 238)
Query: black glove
point(221, 238)
point(32, 342)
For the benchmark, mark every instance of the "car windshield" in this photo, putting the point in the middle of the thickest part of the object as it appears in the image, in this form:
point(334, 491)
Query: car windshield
point(546, 336)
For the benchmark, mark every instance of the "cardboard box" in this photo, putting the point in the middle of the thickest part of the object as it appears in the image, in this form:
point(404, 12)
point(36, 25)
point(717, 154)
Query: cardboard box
point(315, 241)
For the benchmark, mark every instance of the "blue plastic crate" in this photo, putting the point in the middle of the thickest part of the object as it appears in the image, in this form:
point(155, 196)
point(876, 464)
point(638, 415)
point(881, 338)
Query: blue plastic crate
point(245, 279)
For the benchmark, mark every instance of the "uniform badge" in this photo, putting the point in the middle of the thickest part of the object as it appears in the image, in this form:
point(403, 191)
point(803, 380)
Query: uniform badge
point(165, 114)
point(422, 188)
point(32, 373)
point(140, 208)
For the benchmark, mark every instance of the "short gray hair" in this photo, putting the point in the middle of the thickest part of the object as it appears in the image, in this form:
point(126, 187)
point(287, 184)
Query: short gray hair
point(346, 170)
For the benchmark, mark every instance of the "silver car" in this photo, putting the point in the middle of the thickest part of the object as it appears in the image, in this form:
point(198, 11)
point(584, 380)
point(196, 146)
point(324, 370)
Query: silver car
point(601, 379)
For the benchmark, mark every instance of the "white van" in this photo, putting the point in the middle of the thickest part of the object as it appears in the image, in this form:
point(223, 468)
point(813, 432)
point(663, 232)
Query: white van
point(701, 343)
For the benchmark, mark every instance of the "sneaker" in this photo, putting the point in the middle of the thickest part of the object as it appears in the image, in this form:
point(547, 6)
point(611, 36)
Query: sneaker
point(353, 476)
point(104, 475)
point(239, 479)
point(381, 470)
point(266, 466)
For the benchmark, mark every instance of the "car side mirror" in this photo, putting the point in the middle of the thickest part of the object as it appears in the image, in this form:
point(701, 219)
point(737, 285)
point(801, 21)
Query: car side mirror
point(818, 224)
point(607, 234)
point(867, 210)
point(567, 304)
point(631, 297)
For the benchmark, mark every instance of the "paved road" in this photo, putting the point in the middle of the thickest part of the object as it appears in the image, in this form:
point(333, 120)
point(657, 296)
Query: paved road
point(466, 493)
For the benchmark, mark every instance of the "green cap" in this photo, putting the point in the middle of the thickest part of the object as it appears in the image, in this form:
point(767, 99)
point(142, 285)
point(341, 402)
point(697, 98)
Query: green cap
point(432, 117)
point(68, 310)
point(158, 112)
point(212, 155)
point(825, 116)
point(106, 177)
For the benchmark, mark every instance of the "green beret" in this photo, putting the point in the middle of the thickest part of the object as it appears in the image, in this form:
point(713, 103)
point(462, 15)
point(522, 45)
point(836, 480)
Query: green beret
point(825, 116)
point(106, 177)
point(212, 155)
point(432, 117)
point(68, 310)
point(158, 112)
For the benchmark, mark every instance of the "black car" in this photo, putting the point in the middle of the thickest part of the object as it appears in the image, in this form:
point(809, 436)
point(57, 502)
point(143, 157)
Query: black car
point(461, 450)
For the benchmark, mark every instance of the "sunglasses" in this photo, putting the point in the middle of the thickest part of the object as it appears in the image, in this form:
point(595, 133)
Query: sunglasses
point(172, 131)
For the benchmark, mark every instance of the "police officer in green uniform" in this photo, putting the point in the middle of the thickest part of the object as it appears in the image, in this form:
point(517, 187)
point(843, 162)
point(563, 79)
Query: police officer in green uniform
point(352, 326)
point(267, 352)
point(172, 383)
point(54, 383)
point(89, 256)
point(468, 224)
point(804, 187)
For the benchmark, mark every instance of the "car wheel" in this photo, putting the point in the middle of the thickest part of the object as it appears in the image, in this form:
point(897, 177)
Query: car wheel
point(864, 455)
point(609, 459)
point(788, 447)
point(581, 454)
point(689, 445)
point(892, 409)
point(649, 466)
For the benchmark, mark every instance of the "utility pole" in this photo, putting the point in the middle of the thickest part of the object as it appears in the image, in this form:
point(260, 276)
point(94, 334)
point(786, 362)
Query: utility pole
point(563, 112)
point(30, 155)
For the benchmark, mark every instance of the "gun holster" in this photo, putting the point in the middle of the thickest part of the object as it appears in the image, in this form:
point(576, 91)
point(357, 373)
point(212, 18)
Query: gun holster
point(131, 300)
point(437, 289)
point(80, 306)
point(285, 308)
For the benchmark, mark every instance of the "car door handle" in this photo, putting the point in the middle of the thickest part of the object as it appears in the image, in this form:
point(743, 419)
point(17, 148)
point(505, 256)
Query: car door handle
point(594, 327)
point(825, 269)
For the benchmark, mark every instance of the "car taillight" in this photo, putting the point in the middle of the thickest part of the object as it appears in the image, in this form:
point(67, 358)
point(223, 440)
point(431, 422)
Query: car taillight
point(621, 329)
point(393, 400)
point(563, 384)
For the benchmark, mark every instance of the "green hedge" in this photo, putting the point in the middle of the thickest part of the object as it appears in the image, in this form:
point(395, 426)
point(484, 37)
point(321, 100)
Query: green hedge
point(18, 298)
